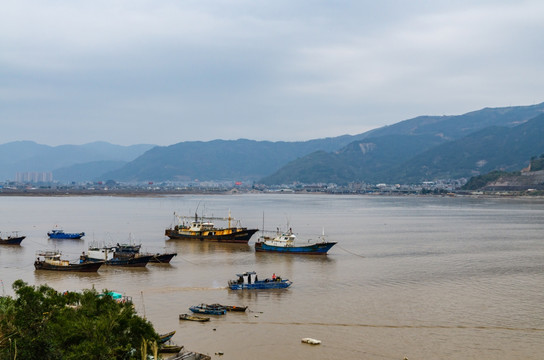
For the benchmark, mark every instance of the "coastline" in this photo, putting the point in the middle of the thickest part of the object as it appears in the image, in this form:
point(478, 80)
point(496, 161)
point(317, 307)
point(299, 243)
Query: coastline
point(202, 191)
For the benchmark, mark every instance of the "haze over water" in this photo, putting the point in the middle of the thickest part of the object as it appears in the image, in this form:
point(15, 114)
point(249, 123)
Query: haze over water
point(421, 277)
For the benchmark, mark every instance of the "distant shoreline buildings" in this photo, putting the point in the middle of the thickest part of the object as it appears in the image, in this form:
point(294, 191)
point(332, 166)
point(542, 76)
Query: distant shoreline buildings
point(34, 177)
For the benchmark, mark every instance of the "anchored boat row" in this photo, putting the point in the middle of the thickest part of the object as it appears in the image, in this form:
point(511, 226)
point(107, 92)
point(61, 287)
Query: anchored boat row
point(203, 229)
point(120, 255)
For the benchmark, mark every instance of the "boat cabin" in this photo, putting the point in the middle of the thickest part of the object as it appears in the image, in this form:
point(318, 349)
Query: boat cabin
point(104, 253)
point(53, 258)
point(249, 277)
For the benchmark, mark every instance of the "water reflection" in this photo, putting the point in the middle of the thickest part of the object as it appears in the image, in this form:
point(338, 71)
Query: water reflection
point(199, 247)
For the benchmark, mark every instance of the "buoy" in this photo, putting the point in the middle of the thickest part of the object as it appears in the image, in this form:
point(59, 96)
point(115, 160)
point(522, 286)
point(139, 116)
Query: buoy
point(311, 341)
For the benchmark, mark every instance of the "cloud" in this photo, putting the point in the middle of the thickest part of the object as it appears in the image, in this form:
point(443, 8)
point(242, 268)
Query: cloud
point(168, 71)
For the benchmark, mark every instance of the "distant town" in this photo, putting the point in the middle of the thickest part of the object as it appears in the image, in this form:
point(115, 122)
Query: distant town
point(42, 184)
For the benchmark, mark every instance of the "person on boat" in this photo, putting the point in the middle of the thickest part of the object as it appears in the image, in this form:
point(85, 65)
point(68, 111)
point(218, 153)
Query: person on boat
point(256, 279)
point(274, 276)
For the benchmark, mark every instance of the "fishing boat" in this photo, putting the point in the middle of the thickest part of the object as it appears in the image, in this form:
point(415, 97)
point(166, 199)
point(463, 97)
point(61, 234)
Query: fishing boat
point(11, 239)
point(193, 317)
point(201, 228)
point(213, 309)
point(250, 281)
point(60, 234)
point(113, 258)
point(51, 260)
point(165, 337)
point(131, 249)
point(285, 242)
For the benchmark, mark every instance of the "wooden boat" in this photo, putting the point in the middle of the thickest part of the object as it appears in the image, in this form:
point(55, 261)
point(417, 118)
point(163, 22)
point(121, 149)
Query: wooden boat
point(249, 281)
point(201, 228)
point(51, 260)
point(213, 309)
point(112, 258)
point(165, 337)
point(12, 239)
point(286, 243)
point(193, 317)
point(170, 349)
point(234, 308)
point(60, 234)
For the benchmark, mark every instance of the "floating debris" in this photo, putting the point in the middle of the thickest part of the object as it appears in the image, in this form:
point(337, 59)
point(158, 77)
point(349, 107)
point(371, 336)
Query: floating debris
point(311, 341)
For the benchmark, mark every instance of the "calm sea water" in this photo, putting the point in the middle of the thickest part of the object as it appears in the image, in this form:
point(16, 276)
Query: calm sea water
point(422, 278)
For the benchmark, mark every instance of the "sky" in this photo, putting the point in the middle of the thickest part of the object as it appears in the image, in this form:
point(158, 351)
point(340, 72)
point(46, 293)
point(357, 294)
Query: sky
point(165, 71)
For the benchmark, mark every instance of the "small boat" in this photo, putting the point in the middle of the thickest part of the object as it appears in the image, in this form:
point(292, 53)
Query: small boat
point(285, 243)
point(201, 228)
point(60, 234)
point(165, 337)
point(118, 297)
point(113, 258)
point(235, 308)
point(250, 281)
point(311, 341)
point(130, 249)
point(193, 317)
point(51, 260)
point(12, 239)
point(170, 349)
point(213, 309)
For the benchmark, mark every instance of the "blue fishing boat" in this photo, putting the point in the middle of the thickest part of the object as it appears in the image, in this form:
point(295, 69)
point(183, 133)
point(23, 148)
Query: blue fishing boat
point(60, 234)
point(208, 309)
point(286, 243)
point(250, 281)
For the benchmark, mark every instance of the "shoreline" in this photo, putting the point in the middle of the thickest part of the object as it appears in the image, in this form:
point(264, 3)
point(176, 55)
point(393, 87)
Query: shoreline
point(159, 193)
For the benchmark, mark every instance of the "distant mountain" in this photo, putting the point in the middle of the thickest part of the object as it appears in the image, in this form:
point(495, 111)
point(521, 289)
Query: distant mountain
point(366, 161)
point(27, 156)
point(220, 159)
point(425, 148)
point(422, 148)
point(91, 171)
point(493, 148)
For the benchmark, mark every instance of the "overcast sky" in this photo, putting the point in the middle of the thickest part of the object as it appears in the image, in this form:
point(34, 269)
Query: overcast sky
point(165, 71)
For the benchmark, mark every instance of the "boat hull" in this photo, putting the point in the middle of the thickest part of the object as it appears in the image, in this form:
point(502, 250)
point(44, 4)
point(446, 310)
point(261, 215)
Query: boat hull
point(73, 236)
point(193, 318)
point(226, 235)
point(136, 261)
point(208, 311)
point(16, 240)
point(260, 285)
point(312, 249)
point(162, 258)
point(89, 266)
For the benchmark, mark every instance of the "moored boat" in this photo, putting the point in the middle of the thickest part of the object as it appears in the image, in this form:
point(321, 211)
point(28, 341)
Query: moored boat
point(193, 317)
point(60, 234)
point(51, 260)
point(213, 309)
point(170, 349)
point(165, 337)
point(11, 239)
point(112, 258)
point(131, 249)
point(286, 243)
point(201, 228)
point(250, 281)
point(235, 308)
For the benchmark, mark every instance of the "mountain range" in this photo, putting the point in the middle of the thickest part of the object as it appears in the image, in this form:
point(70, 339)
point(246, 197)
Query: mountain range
point(411, 151)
